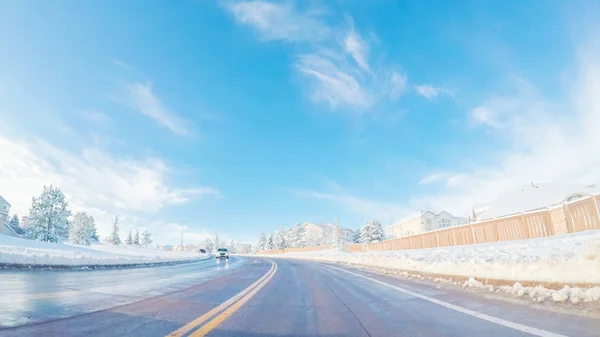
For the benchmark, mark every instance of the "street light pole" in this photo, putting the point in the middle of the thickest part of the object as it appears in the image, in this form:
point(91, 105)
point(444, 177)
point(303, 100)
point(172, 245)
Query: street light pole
point(182, 223)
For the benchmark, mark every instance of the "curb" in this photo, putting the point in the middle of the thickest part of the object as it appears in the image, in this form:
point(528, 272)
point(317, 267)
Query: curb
point(21, 266)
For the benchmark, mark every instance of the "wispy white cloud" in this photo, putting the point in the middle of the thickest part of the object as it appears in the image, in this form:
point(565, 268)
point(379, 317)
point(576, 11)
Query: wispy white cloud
point(359, 50)
point(95, 117)
point(430, 92)
point(398, 82)
point(92, 180)
point(279, 21)
point(548, 140)
point(122, 64)
point(147, 103)
point(368, 208)
point(333, 84)
point(336, 64)
point(432, 178)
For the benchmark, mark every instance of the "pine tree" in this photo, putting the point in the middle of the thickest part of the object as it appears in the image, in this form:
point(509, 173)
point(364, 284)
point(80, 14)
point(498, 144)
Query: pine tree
point(372, 232)
point(48, 216)
point(365, 238)
point(339, 244)
point(231, 247)
point(300, 236)
point(270, 242)
point(83, 229)
point(290, 237)
point(356, 236)
point(261, 244)
point(136, 238)
point(377, 233)
point(14, 221)
point(129, 240)
point(208, 245)
point(114, 235)
point(280, 239)
point(146, 238)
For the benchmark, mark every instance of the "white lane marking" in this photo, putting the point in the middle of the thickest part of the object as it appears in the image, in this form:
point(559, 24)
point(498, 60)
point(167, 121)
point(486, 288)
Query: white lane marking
point(499, 321)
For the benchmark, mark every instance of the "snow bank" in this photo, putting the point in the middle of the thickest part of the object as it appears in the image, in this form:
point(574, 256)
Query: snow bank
point(565, 259)
point(16, 251)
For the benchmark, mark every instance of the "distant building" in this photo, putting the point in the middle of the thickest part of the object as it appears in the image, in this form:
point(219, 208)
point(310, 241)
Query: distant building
point(5, 228)
point(4, 209)
point(323, 234)
point(532, 197)
point(424, 221)
point(24, 222)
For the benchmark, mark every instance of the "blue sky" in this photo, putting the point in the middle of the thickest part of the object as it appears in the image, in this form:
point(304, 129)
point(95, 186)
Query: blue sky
point(240, 117)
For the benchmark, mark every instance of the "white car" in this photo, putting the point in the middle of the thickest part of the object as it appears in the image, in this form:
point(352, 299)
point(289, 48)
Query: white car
point(222, 253)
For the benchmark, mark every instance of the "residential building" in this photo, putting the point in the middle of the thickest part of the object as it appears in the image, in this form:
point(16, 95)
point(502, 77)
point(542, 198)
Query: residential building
point(4, 209)
point(424, 221)
point(532, 197)
point(25, 222)
point(323, 234)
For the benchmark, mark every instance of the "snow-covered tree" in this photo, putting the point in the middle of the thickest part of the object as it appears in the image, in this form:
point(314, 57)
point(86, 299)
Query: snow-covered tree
point(261, 244)
point(338, 243)
point(217, 243)
point(146, 238)
point(208, 245)
point(136, 238)
point(14, 221)
point(289, 237)
point(231, 247)
point(270, 242)
point(356, 236)
point(280, 239)
point(296, 236)
point(372, 232)
point(300, 235)
point(115, 239)
point(377, 232)
point(129, 240)
point(48, 216)
point(83, 229)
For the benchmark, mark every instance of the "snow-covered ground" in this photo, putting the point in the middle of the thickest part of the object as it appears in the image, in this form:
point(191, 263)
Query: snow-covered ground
point(16, 251)
point(572, 259)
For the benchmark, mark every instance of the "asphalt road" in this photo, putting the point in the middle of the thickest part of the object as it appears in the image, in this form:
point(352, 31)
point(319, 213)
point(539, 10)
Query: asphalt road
point(257, 297)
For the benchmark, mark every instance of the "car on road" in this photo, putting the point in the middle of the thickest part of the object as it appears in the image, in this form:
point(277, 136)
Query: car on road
point(203, 251)
point(222, 253)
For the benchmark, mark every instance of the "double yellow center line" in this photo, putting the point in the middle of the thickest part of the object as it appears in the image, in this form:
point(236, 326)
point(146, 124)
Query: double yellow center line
point(224, 310)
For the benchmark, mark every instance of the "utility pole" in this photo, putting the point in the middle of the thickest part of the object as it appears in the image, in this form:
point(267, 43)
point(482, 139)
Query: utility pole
point(182, 223)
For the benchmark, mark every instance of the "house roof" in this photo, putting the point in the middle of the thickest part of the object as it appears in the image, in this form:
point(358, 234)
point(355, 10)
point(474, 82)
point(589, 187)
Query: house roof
point(418, 215)
point(531, 197)
point(4, 200)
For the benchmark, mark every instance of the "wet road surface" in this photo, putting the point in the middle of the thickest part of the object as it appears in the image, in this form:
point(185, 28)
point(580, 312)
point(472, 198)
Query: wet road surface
point(257, 297)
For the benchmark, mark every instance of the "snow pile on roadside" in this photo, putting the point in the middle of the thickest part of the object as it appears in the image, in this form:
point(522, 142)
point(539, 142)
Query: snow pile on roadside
point(565, 259)
point(540, 293)
point(16, 251)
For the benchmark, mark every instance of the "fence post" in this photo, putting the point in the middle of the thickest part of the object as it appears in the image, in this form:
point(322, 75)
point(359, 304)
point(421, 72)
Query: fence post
point(409, 242)
point(401, 243)
point(453, 236)
point(525, 226)
point(496, 231)
point(567, 215)
point(437, 240)
point(473, 233)
point(597, 208)
point(422, 241)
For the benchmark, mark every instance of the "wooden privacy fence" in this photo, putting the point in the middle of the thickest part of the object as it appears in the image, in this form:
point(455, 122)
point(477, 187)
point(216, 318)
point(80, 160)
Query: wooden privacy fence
point(570, 217)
